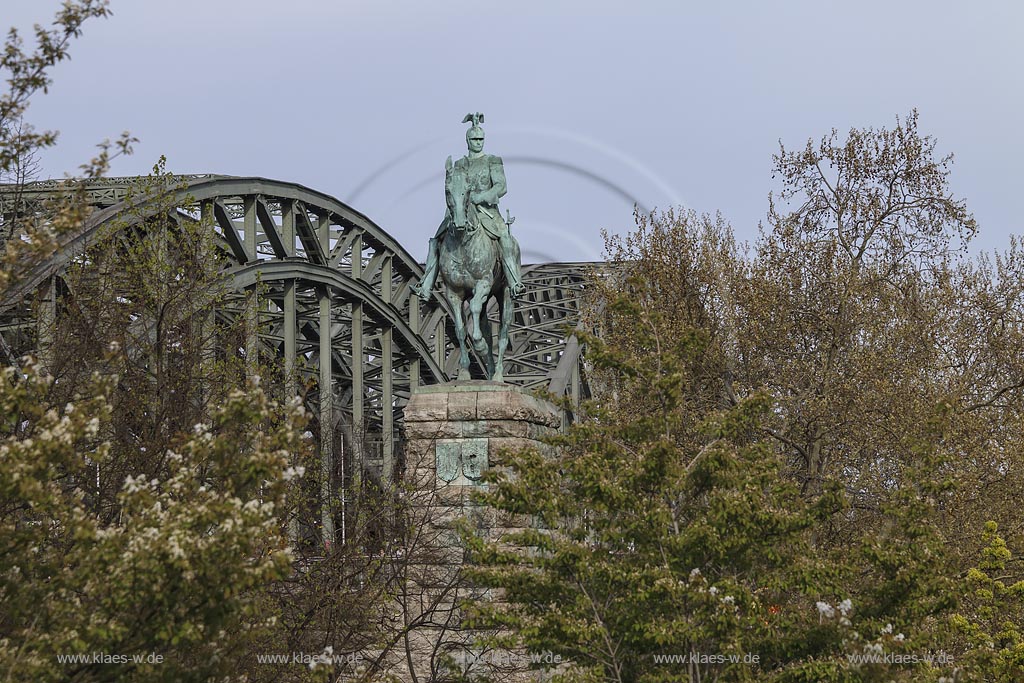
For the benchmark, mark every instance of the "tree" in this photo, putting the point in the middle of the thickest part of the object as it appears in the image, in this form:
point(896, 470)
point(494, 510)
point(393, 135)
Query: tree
point(859, 315)
point(654, 540)
point(993, 613)
point(853, 278)
point(134, 522)
point(150, 478)
point(144, 479)
point(887, 368)
point(171, 580)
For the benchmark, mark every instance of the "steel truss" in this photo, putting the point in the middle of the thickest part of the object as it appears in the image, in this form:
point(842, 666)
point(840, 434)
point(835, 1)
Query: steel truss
point(332, 284)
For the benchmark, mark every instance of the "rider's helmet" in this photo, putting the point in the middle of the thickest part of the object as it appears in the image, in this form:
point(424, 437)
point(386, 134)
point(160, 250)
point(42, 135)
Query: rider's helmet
point(475, 131)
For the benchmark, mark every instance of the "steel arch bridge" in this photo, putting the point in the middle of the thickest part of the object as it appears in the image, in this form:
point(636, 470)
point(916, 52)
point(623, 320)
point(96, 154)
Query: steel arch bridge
point(336, 301)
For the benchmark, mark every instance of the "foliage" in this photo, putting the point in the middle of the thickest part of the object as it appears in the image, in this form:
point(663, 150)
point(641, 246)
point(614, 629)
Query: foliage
point(142, 479)
point(886, 369)
point(859, 315)
point(649, 543)
point(791, 448)
point(173, 574)
point(992, 617)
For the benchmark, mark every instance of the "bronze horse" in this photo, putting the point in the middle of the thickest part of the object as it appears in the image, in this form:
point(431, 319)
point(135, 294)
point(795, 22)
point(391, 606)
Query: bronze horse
point(471, 270)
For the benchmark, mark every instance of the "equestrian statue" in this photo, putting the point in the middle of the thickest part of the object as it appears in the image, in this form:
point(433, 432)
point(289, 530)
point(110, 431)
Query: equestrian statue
point(474, 251)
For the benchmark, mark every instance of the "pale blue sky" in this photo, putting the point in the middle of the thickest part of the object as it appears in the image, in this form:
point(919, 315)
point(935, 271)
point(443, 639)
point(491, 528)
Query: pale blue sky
point(594, 105)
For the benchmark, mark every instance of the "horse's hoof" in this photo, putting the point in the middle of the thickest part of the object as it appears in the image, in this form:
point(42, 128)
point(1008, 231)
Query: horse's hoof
point(498, 377)
point(463, 374)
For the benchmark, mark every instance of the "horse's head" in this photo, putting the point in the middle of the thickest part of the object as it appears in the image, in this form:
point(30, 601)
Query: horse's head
point(456, 193)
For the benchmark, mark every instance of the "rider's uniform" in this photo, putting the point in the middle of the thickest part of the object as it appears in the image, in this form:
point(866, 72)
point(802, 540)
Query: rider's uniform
point(486, 174)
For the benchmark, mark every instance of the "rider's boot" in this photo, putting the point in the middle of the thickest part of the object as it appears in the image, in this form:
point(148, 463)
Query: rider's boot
point(426, 285)
point(512, 268)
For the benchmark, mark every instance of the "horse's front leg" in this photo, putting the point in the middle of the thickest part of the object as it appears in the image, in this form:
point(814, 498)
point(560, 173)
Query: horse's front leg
point(480, 293)
point(460, 331)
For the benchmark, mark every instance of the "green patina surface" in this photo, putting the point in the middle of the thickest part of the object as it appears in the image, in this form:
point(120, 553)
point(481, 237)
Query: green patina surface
point(475, 253)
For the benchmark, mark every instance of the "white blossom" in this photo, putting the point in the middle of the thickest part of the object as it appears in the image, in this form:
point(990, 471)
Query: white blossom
point(133, 484)
point(293, 472)
point(825, 610)
point(174, 547)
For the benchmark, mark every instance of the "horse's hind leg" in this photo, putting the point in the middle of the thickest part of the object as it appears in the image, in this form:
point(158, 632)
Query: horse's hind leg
point(460, 331)
point(505, 312)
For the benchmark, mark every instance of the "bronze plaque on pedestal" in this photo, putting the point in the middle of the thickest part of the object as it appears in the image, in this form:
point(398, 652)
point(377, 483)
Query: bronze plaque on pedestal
point(461, 461)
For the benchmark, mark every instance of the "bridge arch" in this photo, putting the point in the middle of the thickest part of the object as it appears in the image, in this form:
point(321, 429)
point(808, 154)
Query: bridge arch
point(333, 285)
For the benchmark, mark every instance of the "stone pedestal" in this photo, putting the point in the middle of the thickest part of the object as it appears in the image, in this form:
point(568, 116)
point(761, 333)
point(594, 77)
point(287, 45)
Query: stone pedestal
point(454, 433)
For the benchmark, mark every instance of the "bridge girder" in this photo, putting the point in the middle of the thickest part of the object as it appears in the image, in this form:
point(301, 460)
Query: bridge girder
point(303, 246)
